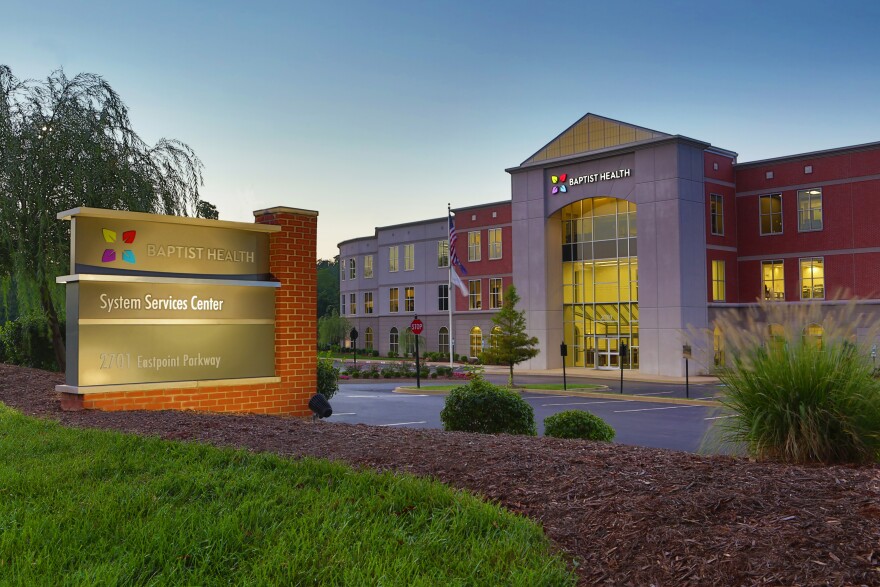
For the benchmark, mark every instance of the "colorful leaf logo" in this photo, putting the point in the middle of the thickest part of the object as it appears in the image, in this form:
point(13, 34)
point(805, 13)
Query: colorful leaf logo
point(559, 183)
point(109, 255)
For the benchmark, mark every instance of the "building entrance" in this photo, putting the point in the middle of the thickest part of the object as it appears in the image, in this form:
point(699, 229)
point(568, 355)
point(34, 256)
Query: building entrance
point(600, 283)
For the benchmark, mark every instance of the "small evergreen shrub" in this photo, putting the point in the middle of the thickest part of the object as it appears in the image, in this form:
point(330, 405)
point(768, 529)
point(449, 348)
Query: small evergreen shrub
point(375, 353)
point(578, 424)
point(480, 406)
point(392, 355)
point(328, 377)
point(26, 341)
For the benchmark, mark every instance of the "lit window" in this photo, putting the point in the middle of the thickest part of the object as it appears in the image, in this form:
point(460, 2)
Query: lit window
point(718, 281)
point(771, 214)
point(393, 253)
point(495, 300)
point(409, 299)
point(814, 334)
point(474, 246)
point(352, 268)
point(495, 337)
point(368, 339)
point(352, 304)
point(716, 214)
point(476, 341)
point(368, 266)
point(443, 253)
point(494, 243)
point(368, 302)
point(394, 341)
point(443, 340)
point(409, 260)
point(773, 278)
point(813, 278)
point(393, 299)
point(475, 295)
point(809, 209)
point(443, 297)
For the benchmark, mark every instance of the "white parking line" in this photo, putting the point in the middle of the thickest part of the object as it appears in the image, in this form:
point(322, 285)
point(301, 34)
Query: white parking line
point(611, 401)
point(652, 409)
point(403, 423)
point(364, 396)
point(344, 414)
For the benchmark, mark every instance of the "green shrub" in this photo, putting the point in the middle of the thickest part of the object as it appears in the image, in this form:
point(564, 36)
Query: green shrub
point(375, 353)
point(392, 355)
point(26, 341)
point(389, 372)
point(328, 377)
point(578, 424)
point(797, 396)
point(483, 407)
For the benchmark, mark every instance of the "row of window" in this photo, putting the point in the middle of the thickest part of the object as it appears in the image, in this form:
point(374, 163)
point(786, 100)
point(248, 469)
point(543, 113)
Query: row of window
point(348, 269)
point(475, 298)
point(812, 279)
point(476, 340)
point(809, 205)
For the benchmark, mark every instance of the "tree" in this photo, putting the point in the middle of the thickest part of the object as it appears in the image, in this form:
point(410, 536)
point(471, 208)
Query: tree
point(207, 210)
point(65, 143)
point(332, 328)
point(510, 345)
point(328, 286)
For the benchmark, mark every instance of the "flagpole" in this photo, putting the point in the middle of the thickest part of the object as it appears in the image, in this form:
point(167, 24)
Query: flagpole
point(450, 294)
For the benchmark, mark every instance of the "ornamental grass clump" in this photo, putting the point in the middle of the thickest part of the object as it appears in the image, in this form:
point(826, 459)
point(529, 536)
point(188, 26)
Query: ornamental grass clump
point(578, 424)
point(480, 406)
point(800, 386)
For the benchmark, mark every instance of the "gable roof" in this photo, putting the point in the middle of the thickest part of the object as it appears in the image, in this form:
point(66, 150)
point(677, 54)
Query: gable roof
point(593, 133)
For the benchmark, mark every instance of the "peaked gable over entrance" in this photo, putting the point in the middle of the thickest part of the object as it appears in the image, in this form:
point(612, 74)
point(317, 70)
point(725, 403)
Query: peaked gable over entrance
point(593, 133)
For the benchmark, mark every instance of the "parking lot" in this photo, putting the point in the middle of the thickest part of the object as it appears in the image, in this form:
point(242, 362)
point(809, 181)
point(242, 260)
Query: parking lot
point(636, 422)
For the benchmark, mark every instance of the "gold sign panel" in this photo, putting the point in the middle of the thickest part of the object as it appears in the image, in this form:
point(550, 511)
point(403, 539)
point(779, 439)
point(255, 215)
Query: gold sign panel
point(122, 245)
point(116, 300)
point(151, 353)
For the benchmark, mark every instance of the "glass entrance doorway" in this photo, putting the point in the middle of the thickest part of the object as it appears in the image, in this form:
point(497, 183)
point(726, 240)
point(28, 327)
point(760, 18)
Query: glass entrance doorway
point(600, 283)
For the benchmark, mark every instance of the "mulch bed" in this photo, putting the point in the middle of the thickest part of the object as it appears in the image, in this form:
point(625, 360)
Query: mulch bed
point(626, 515)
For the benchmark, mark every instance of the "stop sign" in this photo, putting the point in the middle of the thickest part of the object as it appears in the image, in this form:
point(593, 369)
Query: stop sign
point(417, 326)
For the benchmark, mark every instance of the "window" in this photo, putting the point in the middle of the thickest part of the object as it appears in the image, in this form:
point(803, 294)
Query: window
point(368, 266)
point(352, 268)
point(392, 258)
point(394, 341)
point(494, 243)
point(409, 257)
point(443, 340)
point(409, 342)
point(814, 333)
point(342, 305)
point(476, 341)
point(475, 295)
point(352, 304)
point(474, 246)
point(718, 347)
point(813, 278)
point(443, 253)
point(495, 300)
point(342, 270)
point(716, 214)
point(368, 302)
point(368, 339)
point(495, 337)
point(809, 210)
point(409, 299)
point(393, 299)
point(771, 214)
point(773, 278)
point(718, 281)
point(443, 297)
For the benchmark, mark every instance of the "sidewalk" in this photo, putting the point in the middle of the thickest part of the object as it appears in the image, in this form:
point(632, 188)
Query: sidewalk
point(610, 374)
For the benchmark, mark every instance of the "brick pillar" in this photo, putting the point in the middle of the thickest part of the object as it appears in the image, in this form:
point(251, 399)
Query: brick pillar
point(293, 262)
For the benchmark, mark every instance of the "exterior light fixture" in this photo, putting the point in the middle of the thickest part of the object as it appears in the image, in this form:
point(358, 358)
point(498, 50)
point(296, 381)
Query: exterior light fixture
point(320, 406)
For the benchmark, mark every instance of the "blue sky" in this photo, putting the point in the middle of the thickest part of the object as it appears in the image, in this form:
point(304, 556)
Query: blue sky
point(375, 113)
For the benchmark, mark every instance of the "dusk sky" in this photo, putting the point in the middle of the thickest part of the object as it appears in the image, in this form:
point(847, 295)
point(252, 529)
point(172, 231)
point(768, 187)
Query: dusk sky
point(376, 113)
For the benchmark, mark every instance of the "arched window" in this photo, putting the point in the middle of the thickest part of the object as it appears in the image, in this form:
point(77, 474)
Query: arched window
point(776, 336)
point(368, 339)
point(718, 347)
point(476, 341)
point(409, 342)
point(494, 338)
point(394, 341)
point(443, 340)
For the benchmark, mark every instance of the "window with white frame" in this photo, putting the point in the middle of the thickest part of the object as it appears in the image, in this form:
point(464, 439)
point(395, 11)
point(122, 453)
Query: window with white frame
point(718, 281)
point(368, 339)
point(352, 304)
point(409, 257)
point(394, 341)
point(443, 297)
point(812, 278)
point(809, 210)
point(368, 302)
point(773, 279)
point(409, 299)
point(770, 214)
point(474, 253)
point(368, 266)
point(716, 214)
point(495, 295)
point(393, 299)
point(443, 253)
point(494, 243)
point(475, 294)
point(443, 340)
point(352, 268)
point(393, 253)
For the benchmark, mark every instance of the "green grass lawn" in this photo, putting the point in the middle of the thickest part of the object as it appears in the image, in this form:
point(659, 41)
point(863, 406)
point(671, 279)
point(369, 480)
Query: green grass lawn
point(90, 507)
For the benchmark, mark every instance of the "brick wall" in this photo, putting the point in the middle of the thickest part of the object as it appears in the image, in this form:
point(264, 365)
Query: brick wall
point(292, 255)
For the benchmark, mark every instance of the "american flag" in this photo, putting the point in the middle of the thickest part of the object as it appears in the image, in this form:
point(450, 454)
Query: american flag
point(453, 257)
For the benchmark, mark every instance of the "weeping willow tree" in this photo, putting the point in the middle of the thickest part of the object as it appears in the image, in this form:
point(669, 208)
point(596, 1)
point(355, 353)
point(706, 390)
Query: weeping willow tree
point(64, 143)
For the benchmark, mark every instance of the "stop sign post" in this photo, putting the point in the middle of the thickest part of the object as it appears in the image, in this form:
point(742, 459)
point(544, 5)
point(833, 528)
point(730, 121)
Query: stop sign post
point(416, 327)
